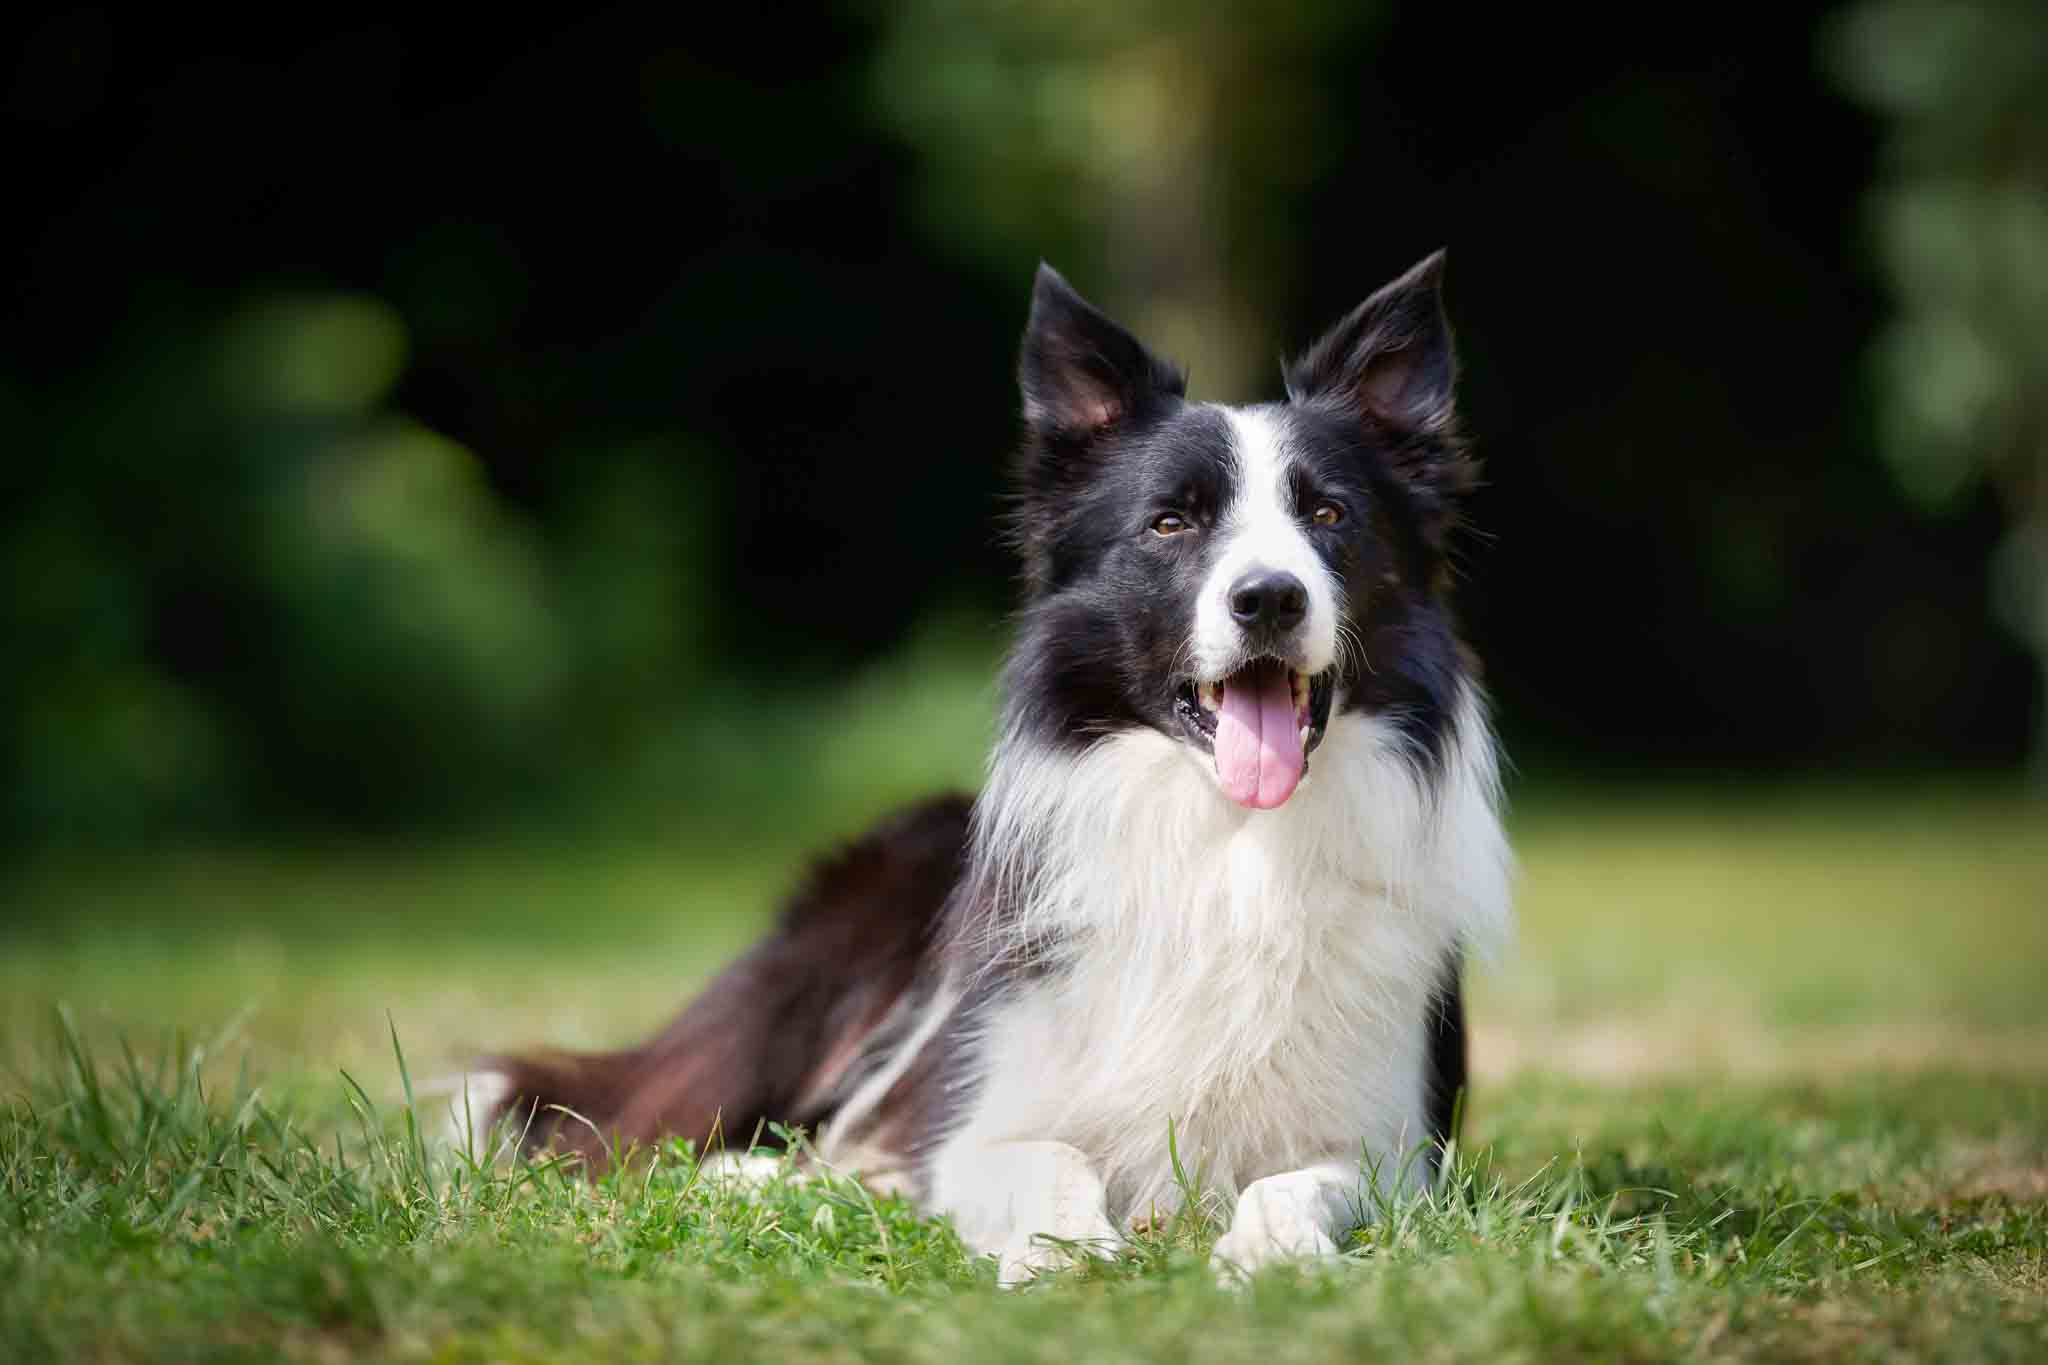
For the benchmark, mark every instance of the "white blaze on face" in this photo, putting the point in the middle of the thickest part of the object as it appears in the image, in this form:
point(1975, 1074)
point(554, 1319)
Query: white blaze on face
point(1261, 530)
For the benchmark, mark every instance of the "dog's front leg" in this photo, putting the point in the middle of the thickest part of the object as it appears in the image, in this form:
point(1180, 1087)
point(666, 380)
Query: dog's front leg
point(1032, 1205)
point(1294, 1214)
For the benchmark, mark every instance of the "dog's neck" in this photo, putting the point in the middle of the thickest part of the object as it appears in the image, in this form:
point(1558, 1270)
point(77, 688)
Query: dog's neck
point(1129, 841)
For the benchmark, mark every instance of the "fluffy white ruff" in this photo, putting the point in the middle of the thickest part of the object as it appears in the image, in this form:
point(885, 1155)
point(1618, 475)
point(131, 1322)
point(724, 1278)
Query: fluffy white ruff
point(1257, 979)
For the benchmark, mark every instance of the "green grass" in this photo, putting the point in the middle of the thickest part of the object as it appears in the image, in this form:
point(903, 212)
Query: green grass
point(1763, 1078)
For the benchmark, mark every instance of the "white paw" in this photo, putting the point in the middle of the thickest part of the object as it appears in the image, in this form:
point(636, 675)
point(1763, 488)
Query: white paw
point(1027, 1255)
point(750, 1170)
point(1281, 1218)
point(1056, 1214)
point(468, 1100)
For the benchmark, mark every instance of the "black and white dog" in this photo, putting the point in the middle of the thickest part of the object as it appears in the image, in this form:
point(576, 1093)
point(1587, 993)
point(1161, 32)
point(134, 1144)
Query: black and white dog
point(1239, 830)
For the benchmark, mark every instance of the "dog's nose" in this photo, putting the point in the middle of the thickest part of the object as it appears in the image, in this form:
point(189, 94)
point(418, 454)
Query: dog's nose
point(1268, 599)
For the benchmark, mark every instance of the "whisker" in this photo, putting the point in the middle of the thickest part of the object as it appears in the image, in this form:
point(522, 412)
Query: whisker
point(1353, 645)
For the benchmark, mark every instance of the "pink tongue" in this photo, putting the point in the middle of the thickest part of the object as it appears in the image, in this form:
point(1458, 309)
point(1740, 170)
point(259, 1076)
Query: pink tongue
point(1258, 739)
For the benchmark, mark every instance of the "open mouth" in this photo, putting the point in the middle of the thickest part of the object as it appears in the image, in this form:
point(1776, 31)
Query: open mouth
point(1260, 723)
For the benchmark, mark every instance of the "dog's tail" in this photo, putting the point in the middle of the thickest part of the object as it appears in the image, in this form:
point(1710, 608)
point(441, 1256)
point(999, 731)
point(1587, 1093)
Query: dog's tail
point(779, 1036)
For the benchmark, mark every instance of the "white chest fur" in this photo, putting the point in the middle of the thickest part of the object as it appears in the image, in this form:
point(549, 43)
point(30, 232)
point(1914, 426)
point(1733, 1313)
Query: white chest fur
point(1257, 979)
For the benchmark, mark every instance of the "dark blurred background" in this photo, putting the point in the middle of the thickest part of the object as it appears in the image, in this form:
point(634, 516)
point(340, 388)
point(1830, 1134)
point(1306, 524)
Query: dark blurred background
point(596, 422)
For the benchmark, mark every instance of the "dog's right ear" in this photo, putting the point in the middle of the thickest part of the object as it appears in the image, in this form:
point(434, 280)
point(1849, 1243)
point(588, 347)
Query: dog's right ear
point(1081, 374)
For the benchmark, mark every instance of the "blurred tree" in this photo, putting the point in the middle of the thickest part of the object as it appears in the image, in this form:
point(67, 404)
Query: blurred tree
point(1960, 214)
point(240, 586)
point(603, 419)
point(1157, 152)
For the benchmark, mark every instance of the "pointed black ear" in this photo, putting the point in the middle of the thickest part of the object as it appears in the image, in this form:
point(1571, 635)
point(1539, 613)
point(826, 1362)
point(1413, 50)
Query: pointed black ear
point(1391, 358)
point(1081, 374)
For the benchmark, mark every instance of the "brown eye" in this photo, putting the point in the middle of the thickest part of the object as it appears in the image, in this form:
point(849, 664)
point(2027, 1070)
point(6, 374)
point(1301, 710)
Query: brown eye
point(1327, 514)
point(1170, 525)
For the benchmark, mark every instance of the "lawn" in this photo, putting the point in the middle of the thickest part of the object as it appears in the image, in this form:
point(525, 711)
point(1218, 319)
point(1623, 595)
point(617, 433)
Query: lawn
point(1764, 1076)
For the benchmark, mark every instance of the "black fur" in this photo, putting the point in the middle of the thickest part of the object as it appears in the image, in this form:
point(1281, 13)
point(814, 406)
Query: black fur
point(1447, 1078)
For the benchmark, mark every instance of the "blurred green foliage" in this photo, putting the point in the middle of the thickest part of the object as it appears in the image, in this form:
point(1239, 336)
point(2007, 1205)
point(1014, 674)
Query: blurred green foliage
point(1164, 149)
point(417, 453)
point(402, 639)
point(1960, 214)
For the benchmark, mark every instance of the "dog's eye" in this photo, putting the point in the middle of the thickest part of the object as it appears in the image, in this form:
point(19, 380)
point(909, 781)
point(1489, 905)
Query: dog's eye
point(1172, 524)
point(1327, 514)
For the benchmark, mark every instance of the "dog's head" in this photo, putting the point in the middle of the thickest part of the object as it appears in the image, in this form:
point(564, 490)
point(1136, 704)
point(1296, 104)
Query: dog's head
point(1227, 576)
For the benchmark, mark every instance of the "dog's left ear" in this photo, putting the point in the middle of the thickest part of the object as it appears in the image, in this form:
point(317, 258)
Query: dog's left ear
point(1391, 359)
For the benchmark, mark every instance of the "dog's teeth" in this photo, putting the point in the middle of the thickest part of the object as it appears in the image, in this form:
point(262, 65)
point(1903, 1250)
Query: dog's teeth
point(1304, 736)
point(1211, 696)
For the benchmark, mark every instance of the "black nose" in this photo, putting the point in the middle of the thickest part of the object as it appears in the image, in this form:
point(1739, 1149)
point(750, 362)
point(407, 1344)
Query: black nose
point(1270, 600)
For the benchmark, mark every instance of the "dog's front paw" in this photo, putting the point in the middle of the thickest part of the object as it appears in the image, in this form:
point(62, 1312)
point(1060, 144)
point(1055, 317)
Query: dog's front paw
point(1281, 1218)
point(1035, 1206)
point(1024, 1258)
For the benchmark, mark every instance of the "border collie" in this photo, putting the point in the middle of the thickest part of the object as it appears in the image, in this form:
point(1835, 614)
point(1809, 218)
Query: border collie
point(1239, 831)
